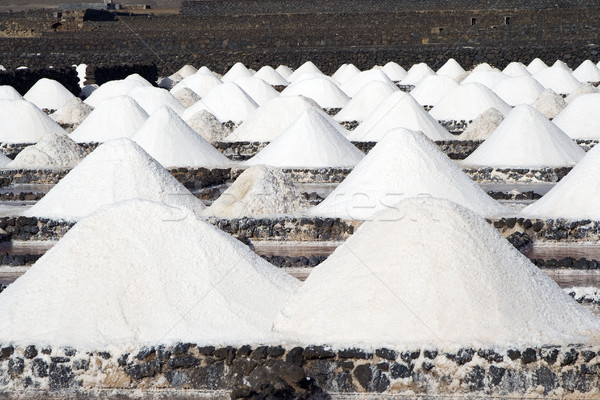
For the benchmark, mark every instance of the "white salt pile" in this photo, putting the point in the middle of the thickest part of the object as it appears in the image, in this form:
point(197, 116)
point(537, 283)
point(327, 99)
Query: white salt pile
point(558, 79)
point(430, 90)
point(517, 90)
point(152, 98)
point(258, 90)
point(452, 69)
point(580, 91)
point(73, 113)
point(488, 79)
point(284, 71)
point(139, 79)
point(388, 286)
point(258, 192)
point(186, 70)
point(186, 96)
point(549, 103)
point(515, 69)
point(23, 122)
point(466, 102)
point(238, 70)
point(54, 150)
point(204, 70)
point(394, 71)
point(200, 83)
point(208, 126)
point(272, 77)
point(526, 139)
point(9, 93)
point(536, 65)
point(587, 72)
point(561, 64)
point(112, 89)
point(383, 178)
point(307, 67)
point(144, 273)
point(321, 90)
point(345, 72)
point(416, 73)
point(310, 142)
point(581, 118)
point(48, 94)
point(117, 170)
point(227, 102)
point(173, 143)
point(355, 84)
point(115, 117)
point(399, 110)
point(483, 126)
point(483, 67)
point(4, 161)
point(365, 102)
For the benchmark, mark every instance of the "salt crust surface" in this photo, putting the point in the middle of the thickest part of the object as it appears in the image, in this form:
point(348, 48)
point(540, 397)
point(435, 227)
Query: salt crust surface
point(515, 69)
point(321, 90)
point(54, 150)
point(74, 112)
point(117, 170)
point(467, 102)
point(580, 91)
point(355, 84)
point(186, 96)
point(227, 102)
point(549, 103)
point(483, 126)
point(581, 118)
point(23, 122)
point(49, 94)
point(284, 71)
point(345, 72)
point(307, 67)
point(430, 90)
point(488, 79)
point(365, 101)
point(208, 126)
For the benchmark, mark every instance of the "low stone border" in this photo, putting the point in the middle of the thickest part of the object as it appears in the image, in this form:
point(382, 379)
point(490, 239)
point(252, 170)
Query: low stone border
point(586, 144)
point(549, 230)
point(240, 151)
point(21, 196)
point(521, 175)
point(38, 176)
point(567, 263)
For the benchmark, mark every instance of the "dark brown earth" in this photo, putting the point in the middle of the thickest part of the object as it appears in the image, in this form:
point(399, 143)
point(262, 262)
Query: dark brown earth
point(16, 5)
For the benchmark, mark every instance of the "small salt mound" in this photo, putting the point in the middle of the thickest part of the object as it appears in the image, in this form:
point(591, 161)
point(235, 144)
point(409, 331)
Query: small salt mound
point(272, 77)
point(23, 122)
point(526, 139)
point(549, 103)
point(345, 72)
point(430, 90)
point(389, 285)
point(452, 69)
point(54, 150)
point(139, 79)
point(144, 273)
point(9, 93)
point(365, 102)
point(394, 71)
point(152, 98)
point(227, 102)
point(483, 67)
point(384, 178)
point(311, 75)
point(486, 78)
point(271, 119)
point(201, 84)
point(310, 142)
point(186, 96)
point(307, 67)
point(112, 89)
point(580, 91)
point(208, 126)
point(258, 192)
point(581, 118)
point(260, 91)
point(515, 69)
point(321, 90)
point(115, 117)
point(117, 170)
point(483, 126)
point(238, 70)
point(284, 71)
point(518, 90)
point(352, 86)
point(186, 70)
point(204, 70)
point(561, 64)
point(558, 79)
point(587, 72)
point(466, 102)
point(399, 110)
point(536, 65)
point(74, 112)
point(416, 73)
point(173, 143)
point(49, 94)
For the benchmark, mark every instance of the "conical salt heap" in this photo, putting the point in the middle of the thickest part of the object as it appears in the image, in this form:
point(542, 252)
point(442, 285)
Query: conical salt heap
point(9, 93)
point(466, 102)
point(488, 79)
point(365, 102)
point(258, 192)
point(73, 113)
point(482, 126)
point(49, 94)
point(173, 143)
point(558, 79)
point(345, 72)
point(114, 118)
point(383, 178)
point(227, 102)
point(112, 89)
point(432, 89)
point(143, 273)
point(516, 69)
point(208, 126)
point(399, 110)
point(549, 104)
point(394, 71)
point(117, 170)
point(580, 91)
point(575, 196)
point(238, 70)
point(428, 272)
point(310, 142)
point(272, 77)
point(153, 98)
point(452, 69)
point(322, 90)
point(258, 90)
point(284, 71)
point(200, 83)
point(536, 65)
point(526, 139)
point(355, 84)
point(186, 96)
point(587, 72)
point(581, 118)
point(23, 122)
point(307, 67)
point(54, 150)
point(416, 73)
point(519, 90)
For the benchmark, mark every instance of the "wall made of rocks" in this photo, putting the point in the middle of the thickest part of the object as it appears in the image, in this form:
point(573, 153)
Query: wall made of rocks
point(521, 175)
point(23, 79)
point(550, 230)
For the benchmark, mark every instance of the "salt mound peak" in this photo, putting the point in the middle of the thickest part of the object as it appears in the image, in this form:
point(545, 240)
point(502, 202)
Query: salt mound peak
point(575, 196)
point(536, 65)
point(117, 170)
point(517, 90)
point(23, 122)
point(526, 139)
point(237, 70)
point(139, 79)
point(510, 302)
point(587, 72)
point(112, 89)
point(310, 142)
point(394, 71)
point(558, 79)
point(353, 85)
point(365, 101)
point(483, 126)
point(258, 192)
point(581, 119)
point(201, 84)
point(452, 69)
point(515, 69)
point(152, 98)
point(227, 102)
point(430, 90)
point(322, 90)
point(284, 71)
point(186, 70)
point(201, 295)
point(549, 103)
point(272, 77)
point(483, 67)
point(466, 102)
point(486, 78)
point(345, 72)
point(54, 150)
point(173, 143)
point(208, 126)
point(258, 90)
point(49, 94)
point(307, 67)
point(383, 179)
point(561, 64)
point(186, 96)
point(416, 73)
point(580, 91)
point(9, 93)
point(204, 70)
point(115, 117)
point(399, 110)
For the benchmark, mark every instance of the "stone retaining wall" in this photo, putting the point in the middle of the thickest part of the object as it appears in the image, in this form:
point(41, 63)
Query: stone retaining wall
point(24, 176)
point(521, 175)
point(550, 230)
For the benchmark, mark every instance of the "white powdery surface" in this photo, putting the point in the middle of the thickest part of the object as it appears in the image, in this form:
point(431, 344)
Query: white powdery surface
point(49, 94)
point(310, 142)
point(430, 90)
point(23, 122)
point(466, 102)
point(152, 98)
point(186, 96)
point(115, 117)
point(200, 83)
point(355, 84)
point(141, 273)
point(9, 93)
point(258, 90)
point(549, 103)
point(365, 102)
point(416, 73)
point(488, 79)
point(173, 143)
point(581, 118)
point(383, 178)
point(345, 72)
point(307, 67)
point(580, 91)
point(558, 79)
point(74, 112)
point(258, 192)
point(399, 110)
point(452, 69)
point(117, 170)
point(238, 70)
point(208, 126)
point(112, 89)
point(483, 126)
point(515, 69)
point(526, 139)
point(536, 65)
point(322, 90)
point(575, 196)
point(227, 102)
point(272, 77)
point(54, 150)
point(394, 71)
point(388, 286)
point(587, 72)
point(4, 161)
point(284, 71)
point(519, 90)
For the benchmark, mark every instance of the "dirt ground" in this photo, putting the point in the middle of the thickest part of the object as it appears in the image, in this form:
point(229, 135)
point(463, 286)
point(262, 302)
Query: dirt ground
point(16, 5)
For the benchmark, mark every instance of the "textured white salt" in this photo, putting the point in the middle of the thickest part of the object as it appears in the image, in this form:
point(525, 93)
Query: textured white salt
point(518, 90)
point(284, 71)
point(54, 150)
point(558, 79)
point(515, 69)
point(452, 69)
point(536, 65)
point(549, 103)
point(483, 126)
point(258, 90)
point(430, 90)
point(416, 73)
point(466, 102)
point(272, 77)
point(307, 67)
point(321, 90)
point(201, 84)
point(208, 126)
point(112, 89)
point(49, 94)
point(580, 91)
point(186, 96)
point(365, 102)
point(581, 118)
point(9, 93)
point(394, 71)
point(355, 84)
point(345, 72)
point(488, 79)
point(73, 113)
point(227, 102)
point(587, 72)
point(152, 98)
point(238, 70)
point(23, 122)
